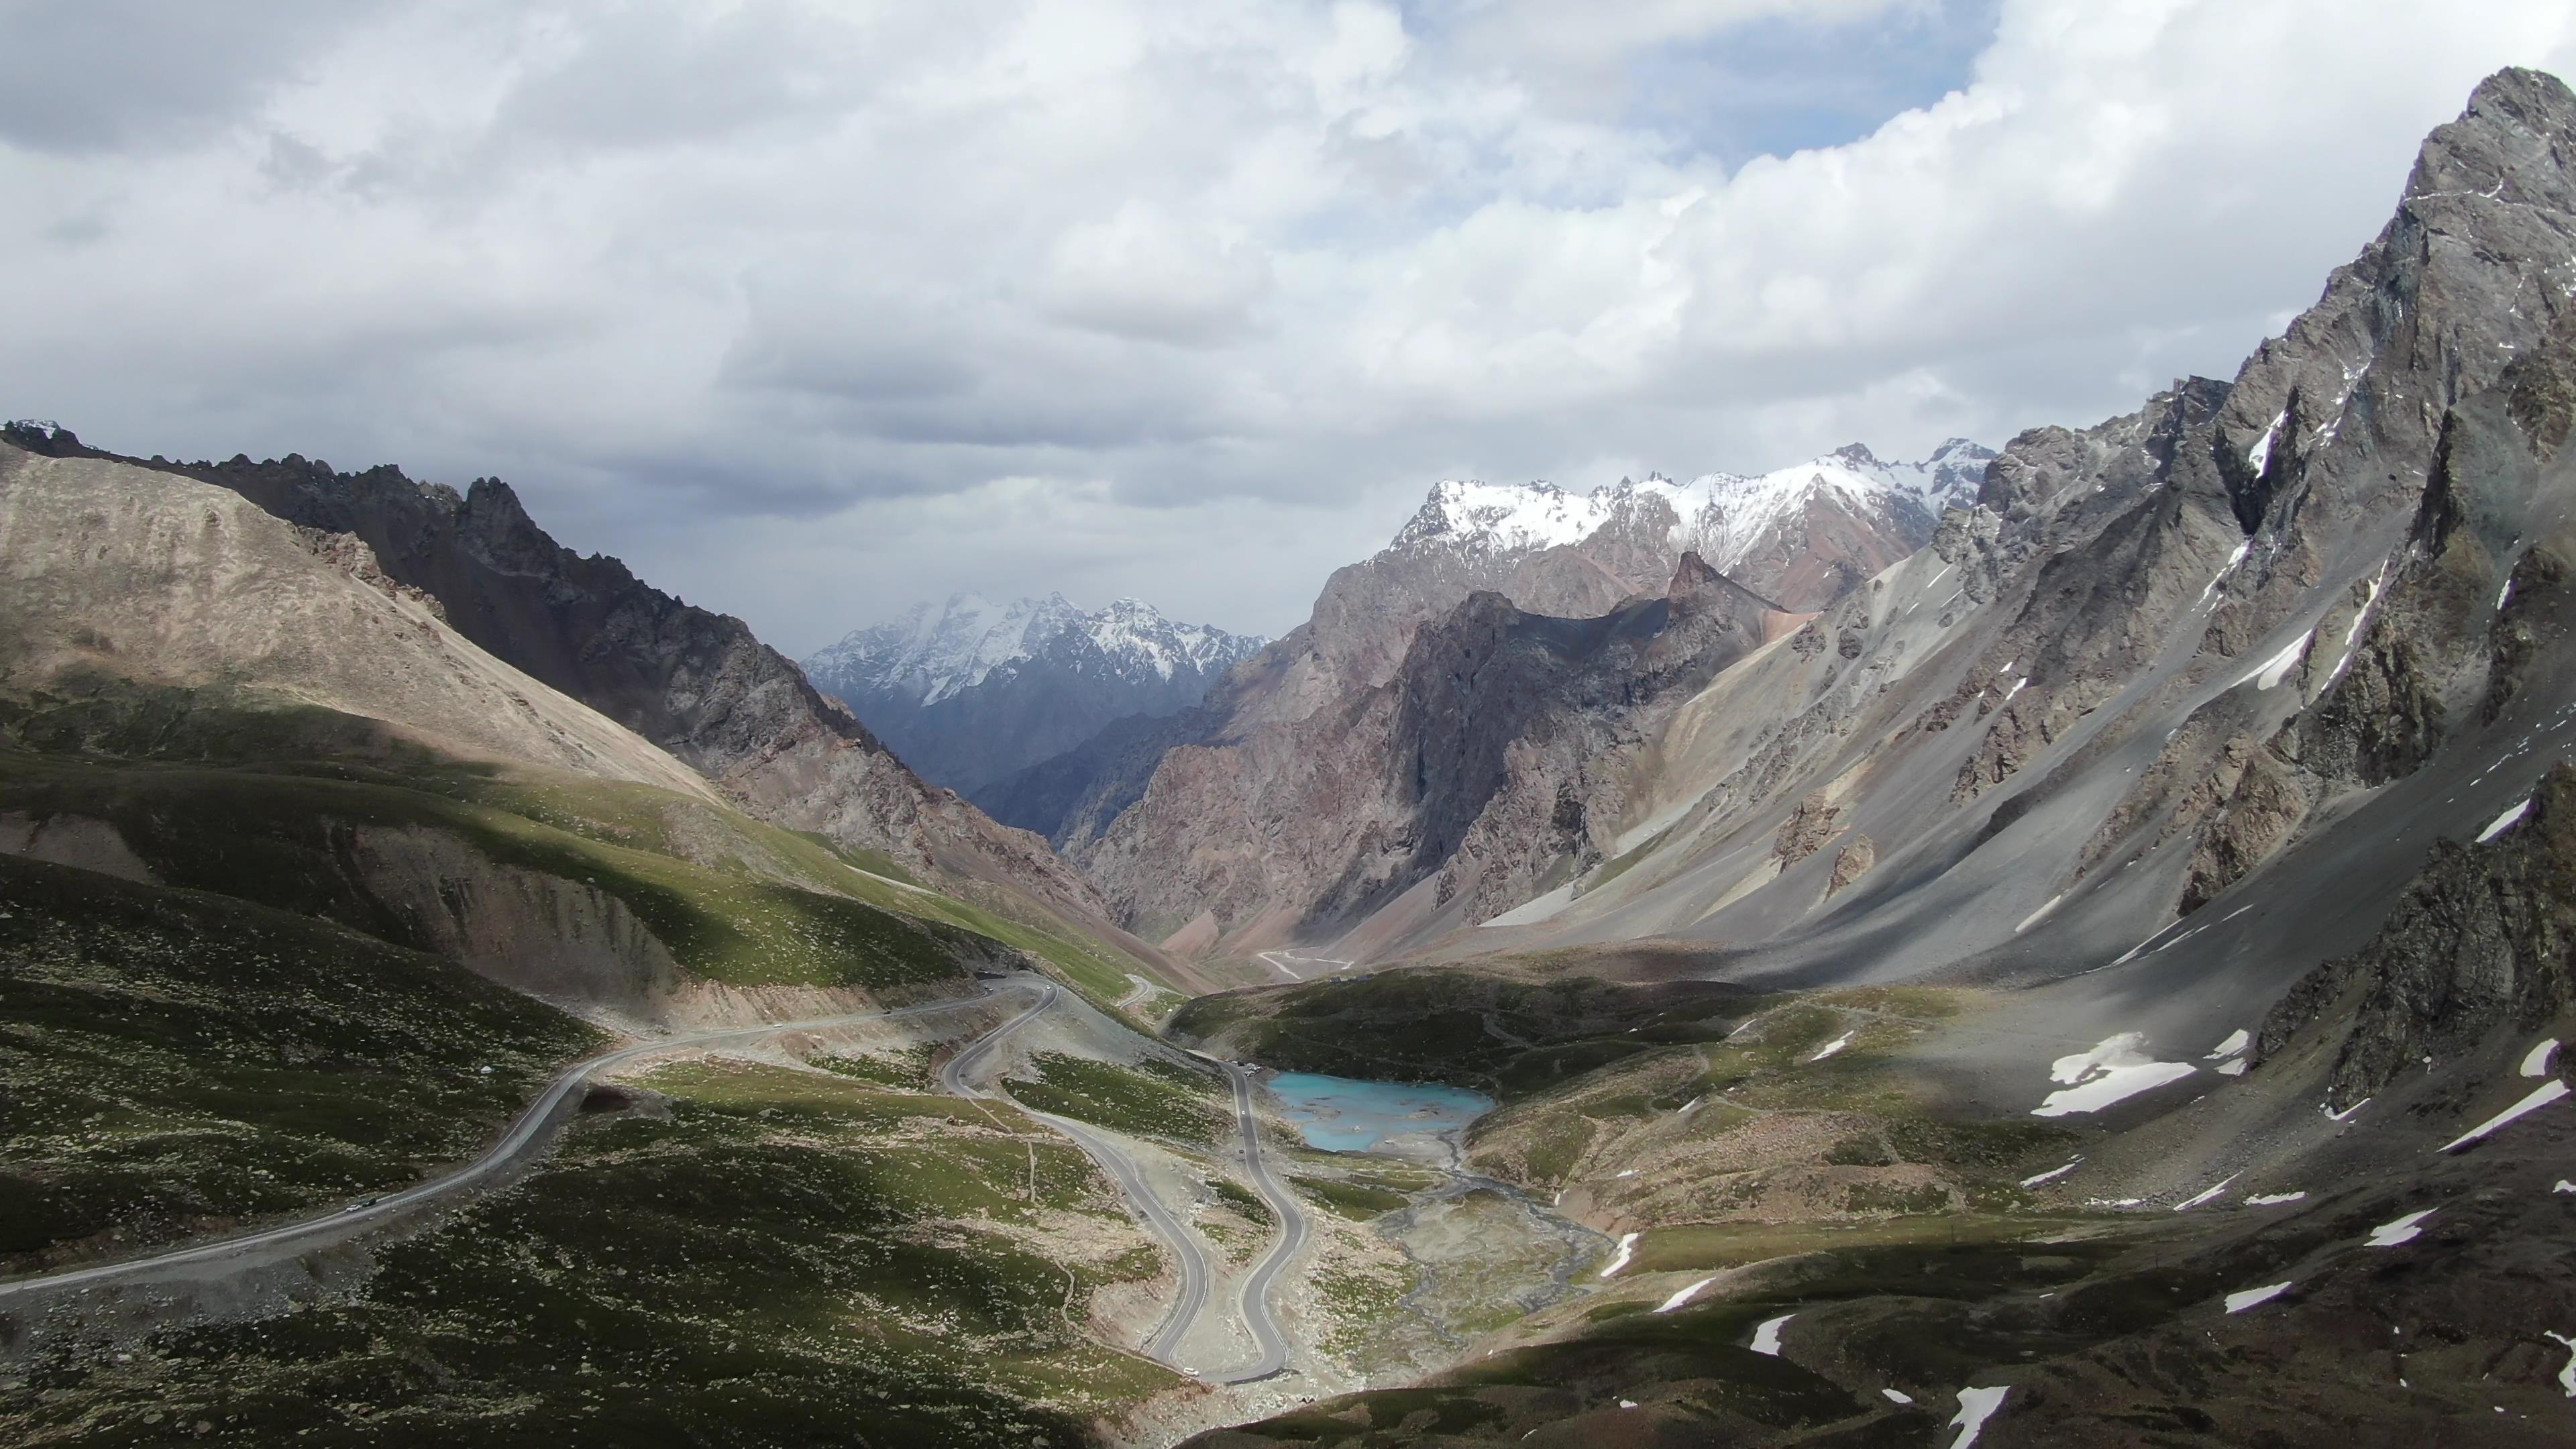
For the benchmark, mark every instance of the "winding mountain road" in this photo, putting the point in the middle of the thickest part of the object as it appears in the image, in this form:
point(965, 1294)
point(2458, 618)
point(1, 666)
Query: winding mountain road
point(1267, 1336)
point(1122, 1168)
point(528, 1136)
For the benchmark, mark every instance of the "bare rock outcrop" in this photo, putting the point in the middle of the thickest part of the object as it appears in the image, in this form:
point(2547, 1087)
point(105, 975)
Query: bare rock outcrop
point(1852, 862)
point(2485, 940)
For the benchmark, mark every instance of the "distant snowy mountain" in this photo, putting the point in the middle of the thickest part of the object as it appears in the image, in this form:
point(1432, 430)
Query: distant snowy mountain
point(1800, 534)
point(971, 690)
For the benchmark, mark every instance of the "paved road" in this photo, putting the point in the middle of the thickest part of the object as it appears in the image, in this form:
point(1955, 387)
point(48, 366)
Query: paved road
point(1122, 1168)
point(1266, 1333)
point(528, 1136)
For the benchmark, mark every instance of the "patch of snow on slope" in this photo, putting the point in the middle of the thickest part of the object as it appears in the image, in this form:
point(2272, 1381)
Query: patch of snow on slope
point(1683, 1296)
point(2235, 1045)
point(1619, 1260)
point(2504, 822)
point(2187, 1204)
point(2360, 618)
point(1897, 1396)
point(2274, 1199)
point(2535, 1063)
point(1831, 1047)
point(2270, 672)
point(1766, 1335)
point(2260, 455)
point(2567, 1375)
point(2255, 1297)
point(2054, 1172)
point(2405, 1230)
point(1976, 1406)
point(2346, 1114)
point(2033, 918)
point(2539, 1098)
point(2114, 1070)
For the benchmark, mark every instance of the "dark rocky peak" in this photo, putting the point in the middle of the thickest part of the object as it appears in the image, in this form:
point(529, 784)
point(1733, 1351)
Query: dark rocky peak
point(2472, 270)
point(1698, 588)
point(1858, 455)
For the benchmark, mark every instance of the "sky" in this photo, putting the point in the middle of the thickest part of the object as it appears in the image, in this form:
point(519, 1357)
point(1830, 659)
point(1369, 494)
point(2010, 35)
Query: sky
point(813, 310)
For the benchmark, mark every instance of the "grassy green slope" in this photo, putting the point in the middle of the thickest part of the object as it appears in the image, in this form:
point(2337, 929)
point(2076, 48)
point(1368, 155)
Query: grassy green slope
point(785, 1258)
point(172, 1061)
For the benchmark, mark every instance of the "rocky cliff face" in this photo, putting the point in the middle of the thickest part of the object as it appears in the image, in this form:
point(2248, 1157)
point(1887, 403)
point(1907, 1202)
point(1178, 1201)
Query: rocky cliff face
point(2482, 945)
point(696, 683)
point(1814, 531)
point(2177, 645)
point(971, 692)
point(1490, 759)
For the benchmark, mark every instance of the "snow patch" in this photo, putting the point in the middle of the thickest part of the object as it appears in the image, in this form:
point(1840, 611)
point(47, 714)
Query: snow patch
point(2235, 1045)
point(1619, 1259)
point(2052, 1173)
point(2567, 1375)
point(2187, 1204)
point(2259, 456)
point(1895, 1396)
point(2033, 918)
point(2536, 1062)
point(1683, 1296)
point(2234, 1067)
point(2405, 1230)
point(2540, 1097)
point(2274, 1199)
point(1831, 1047)
point(1976, 1406)
point(2504, 822)
point(2255, 1297)
point(1766, 1335)
point(2113, 1071)
point(2272, 671)
point(2346, 1114)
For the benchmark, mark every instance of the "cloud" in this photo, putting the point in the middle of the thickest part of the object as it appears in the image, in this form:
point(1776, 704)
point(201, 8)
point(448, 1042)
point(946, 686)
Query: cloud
point(811, 308)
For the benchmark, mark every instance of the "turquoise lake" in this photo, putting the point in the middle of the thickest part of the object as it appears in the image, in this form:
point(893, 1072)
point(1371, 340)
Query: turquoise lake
point(1338, 1114)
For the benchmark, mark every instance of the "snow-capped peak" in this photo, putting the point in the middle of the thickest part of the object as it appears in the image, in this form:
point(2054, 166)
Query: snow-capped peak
point(1721, 516)
point(933, 652)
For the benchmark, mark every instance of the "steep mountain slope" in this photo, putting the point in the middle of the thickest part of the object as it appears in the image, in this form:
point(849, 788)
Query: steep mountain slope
point(113, 572)
point(2246, 620)
point(1813, 530)
point(973, 691)
point(696, 683)
point(1476, 769)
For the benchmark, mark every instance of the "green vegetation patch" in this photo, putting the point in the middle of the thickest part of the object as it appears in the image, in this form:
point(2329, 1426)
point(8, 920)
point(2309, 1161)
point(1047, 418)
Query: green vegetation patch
point(1511, 1037)
point(1358, 1201)
point(1170, 1102)
point(287, 841)
point(171, 1062)
point(1245, 1203)
point(757, 1270)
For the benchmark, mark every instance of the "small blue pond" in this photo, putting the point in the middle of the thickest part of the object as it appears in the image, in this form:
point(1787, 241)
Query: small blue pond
point(1338, 1114)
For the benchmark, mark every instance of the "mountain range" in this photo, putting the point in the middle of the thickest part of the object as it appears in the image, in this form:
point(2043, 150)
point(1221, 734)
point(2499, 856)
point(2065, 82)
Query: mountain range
point(971, 691)
point(2071, 944)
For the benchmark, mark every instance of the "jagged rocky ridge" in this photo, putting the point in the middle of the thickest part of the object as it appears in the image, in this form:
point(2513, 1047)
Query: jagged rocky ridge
point(696, 683)
point(1487, 761)
point(972, 691)
point(1812, 530)
point(2163, 650)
